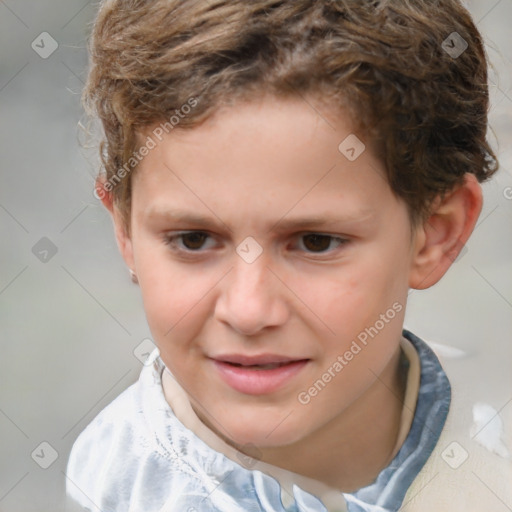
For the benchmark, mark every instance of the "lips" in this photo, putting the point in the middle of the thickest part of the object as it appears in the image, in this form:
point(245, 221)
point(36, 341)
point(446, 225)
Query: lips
point(258, 360)
point(268, 366)
point(257, 375)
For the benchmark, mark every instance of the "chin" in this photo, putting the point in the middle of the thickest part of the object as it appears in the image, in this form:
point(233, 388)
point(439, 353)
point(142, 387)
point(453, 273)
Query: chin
point(265, 434)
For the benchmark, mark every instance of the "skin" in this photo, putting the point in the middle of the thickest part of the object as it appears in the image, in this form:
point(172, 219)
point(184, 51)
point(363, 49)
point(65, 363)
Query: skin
point(248, 169)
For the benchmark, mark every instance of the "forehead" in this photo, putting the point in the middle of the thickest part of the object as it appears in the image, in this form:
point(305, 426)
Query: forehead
point(270, 155)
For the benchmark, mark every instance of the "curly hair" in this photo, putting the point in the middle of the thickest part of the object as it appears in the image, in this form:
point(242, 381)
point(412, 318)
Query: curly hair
point(386, 62)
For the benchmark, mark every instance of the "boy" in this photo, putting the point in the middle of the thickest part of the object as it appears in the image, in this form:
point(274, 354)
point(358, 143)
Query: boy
point(280, 174)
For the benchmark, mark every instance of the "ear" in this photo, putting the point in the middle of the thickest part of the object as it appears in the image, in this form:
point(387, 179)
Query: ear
point(441, 238)
point(124, 241)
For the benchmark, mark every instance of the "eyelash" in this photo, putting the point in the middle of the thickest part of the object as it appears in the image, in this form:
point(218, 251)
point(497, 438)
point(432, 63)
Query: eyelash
point(171, 241)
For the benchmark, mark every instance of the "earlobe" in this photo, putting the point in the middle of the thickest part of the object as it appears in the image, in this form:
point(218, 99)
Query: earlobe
point(441, 238)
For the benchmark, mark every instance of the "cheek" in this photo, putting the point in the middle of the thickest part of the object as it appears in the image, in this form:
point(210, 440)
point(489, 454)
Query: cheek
point(169, 292)
point(171, 305)
point(351, 304)
point(342, 298)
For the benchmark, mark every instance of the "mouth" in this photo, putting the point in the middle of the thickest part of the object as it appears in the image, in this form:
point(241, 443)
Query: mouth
point(256, 360)
point(268, 366)
point(258, 375)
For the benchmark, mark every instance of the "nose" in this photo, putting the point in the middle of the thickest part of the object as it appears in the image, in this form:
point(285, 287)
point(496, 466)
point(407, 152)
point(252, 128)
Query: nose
point(252, 297)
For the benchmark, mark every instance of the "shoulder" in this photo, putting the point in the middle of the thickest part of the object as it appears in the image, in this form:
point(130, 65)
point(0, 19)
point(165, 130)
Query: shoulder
point(461, 474)
point(469, 469)
point(118, 459)
point(101, 450)
point(117, 419)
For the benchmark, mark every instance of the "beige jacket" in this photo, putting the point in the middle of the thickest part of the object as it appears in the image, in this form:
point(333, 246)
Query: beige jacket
point(461, 474)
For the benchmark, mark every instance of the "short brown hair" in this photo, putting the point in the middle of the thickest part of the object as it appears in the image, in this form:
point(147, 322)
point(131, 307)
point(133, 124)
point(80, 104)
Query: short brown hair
point(388, 63)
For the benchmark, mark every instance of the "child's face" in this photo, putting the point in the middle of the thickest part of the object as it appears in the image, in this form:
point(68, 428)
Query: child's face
point(249, 171)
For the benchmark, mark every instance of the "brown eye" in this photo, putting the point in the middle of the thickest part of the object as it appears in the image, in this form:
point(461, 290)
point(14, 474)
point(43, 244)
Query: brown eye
point(193, 241)
point(318, 243)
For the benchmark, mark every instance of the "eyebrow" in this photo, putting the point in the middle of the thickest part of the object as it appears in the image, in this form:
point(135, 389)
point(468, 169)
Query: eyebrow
point(283, 224)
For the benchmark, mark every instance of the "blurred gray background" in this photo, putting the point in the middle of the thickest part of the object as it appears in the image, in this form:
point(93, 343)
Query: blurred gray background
point(70, 318)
